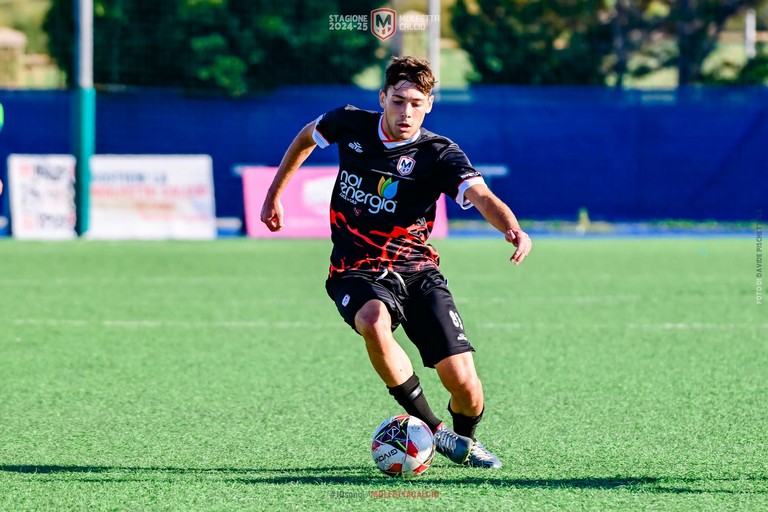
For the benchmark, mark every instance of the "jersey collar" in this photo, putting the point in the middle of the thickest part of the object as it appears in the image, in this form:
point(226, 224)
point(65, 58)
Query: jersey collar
point(389, 143)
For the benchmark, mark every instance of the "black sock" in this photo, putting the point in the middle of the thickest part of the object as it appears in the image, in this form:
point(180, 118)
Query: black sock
point(411, 397)
point(465, 425)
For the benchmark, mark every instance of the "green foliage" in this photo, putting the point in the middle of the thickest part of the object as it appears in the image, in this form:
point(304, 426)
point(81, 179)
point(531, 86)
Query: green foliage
point(539, 42)
point(755, 72)
point(693, 26)
point(543, 42)
point(731, 67)
point(27, 17)
point(236, 46)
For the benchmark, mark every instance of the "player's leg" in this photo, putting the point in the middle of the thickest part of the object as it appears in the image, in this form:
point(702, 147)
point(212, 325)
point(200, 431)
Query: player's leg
point(374, 323)
point(458, 375)
point(466, 405)
point(436, 328)
point(369, 306)
point(388, 358)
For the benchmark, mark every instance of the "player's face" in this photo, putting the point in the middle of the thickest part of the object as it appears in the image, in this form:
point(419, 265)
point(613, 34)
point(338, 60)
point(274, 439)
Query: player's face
point(404, 109)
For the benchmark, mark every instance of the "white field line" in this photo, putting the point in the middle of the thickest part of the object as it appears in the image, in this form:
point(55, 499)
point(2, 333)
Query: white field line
point(129, 280)
point(657, 326)
point(565, 299)
point(154, 324)
point(699, 326)
point(579, 299)
point(262, 324)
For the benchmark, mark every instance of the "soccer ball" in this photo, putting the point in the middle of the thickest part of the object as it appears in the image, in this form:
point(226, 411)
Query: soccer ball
point(403, 446)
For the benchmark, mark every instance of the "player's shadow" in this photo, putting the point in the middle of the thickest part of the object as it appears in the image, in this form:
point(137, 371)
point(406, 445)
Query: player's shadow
point(117, 471)
point(96, 470)
point(366, 476)
point(672, 485)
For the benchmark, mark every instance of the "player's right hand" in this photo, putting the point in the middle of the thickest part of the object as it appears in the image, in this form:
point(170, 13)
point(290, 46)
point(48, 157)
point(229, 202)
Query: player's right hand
point(272, 214)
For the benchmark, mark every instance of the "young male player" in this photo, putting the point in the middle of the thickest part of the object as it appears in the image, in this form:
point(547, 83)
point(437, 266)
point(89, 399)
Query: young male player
point(383, 273)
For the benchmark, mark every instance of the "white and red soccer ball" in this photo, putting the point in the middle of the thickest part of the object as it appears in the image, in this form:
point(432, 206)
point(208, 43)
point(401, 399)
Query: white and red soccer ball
point(403, 446)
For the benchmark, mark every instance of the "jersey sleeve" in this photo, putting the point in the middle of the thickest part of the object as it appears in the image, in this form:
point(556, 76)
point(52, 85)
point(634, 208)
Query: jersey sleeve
point(457, 175)
point(327, 127)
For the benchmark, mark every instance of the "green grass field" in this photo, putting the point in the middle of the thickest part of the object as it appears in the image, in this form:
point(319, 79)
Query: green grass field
point(619, 375)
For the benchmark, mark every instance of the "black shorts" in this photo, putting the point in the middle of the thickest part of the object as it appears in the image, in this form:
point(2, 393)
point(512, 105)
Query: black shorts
point(420, 301)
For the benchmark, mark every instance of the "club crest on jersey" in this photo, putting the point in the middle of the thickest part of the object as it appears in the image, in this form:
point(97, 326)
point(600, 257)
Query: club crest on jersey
point(405, 165)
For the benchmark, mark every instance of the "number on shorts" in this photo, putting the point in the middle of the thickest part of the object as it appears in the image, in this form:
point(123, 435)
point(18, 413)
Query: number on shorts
point(456, 319)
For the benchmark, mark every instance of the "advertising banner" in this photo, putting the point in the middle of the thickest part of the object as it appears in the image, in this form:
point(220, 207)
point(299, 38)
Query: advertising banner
point(152, 197)
point(42, 196)
point(306, 202)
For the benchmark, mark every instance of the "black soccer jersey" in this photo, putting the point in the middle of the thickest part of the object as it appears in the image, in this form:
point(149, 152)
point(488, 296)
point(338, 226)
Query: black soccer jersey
point(384, 199)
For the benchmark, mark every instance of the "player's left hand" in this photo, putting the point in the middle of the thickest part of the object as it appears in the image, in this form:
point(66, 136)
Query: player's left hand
point(522, 241)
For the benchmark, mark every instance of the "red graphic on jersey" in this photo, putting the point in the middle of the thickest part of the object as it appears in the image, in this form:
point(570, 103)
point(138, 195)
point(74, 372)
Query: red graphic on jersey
point(401, 249)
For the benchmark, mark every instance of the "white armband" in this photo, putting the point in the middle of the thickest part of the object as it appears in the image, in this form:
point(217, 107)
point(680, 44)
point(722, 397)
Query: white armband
point(460, 199)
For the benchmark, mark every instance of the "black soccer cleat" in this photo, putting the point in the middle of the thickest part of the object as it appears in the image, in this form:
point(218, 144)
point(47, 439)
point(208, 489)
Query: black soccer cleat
point(452, 445)
point(480, 457)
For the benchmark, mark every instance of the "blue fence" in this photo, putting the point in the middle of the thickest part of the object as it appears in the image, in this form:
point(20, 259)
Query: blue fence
point(624, 155)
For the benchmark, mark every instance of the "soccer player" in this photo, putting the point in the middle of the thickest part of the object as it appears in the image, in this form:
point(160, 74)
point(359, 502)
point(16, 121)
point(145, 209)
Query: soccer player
point(383, 273)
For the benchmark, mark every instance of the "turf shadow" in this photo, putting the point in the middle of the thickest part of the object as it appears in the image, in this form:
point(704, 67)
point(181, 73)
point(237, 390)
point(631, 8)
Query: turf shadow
point(52, 469)
point(363, 475)
point(638, 484)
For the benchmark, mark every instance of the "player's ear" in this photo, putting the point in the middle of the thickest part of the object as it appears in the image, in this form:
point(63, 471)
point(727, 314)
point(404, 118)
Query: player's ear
point(429, 103)
point(382, 98)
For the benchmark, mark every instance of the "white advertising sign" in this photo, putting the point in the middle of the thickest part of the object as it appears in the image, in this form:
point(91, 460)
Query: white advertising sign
point(42, 196)
point(152, 197)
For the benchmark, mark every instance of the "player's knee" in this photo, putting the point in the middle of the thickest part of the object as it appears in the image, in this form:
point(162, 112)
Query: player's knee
point(468, 390)
point(373, 320)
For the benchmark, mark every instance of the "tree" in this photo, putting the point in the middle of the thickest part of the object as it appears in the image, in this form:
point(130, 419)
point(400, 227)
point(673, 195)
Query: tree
point(587, 41)
point(656, 34)
point(535, 42)
point(755, 72)
point(237, 46)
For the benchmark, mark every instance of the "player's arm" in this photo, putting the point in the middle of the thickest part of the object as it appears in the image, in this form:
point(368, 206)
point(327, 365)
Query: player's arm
point(295, 155)
point(499, 215)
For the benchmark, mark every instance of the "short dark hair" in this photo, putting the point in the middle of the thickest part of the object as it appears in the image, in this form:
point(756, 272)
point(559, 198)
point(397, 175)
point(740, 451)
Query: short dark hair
point(411, 69)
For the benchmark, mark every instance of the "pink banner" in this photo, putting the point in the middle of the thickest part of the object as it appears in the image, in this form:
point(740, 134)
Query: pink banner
point(305, 201)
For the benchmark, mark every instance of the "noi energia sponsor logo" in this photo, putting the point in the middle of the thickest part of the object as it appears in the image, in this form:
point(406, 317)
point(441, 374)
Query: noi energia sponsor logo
point(387, 189)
